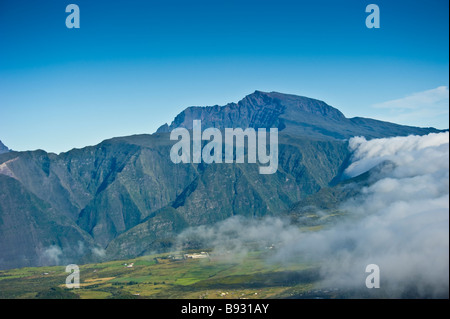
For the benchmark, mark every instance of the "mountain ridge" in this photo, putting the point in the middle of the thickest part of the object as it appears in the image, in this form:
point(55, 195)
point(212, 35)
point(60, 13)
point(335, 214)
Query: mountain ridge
point(126, 197)
point(291, 114)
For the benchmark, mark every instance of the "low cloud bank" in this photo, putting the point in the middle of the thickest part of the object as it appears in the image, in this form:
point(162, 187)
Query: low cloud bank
point(400, 223)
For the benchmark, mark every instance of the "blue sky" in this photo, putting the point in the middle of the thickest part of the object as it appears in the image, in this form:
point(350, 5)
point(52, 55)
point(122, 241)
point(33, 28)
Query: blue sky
point(134, 65)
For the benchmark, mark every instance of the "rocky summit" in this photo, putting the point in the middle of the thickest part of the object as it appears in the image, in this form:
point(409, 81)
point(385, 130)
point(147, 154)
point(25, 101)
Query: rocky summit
point(294, 115)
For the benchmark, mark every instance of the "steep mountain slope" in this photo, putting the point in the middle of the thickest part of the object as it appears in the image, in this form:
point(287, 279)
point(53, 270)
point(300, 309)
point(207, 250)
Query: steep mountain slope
point(220, 191)
point(324, 206)
point(34, 234)
point(125, 195)
point(145, 181)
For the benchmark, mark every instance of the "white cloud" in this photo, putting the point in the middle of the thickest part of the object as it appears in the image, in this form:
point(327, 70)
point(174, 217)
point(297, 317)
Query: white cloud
point(98, 252)
point(367, 154)
point(403, 223)
point(426, 108)
point(400, 222)
point(430, 98)
point(52, 255)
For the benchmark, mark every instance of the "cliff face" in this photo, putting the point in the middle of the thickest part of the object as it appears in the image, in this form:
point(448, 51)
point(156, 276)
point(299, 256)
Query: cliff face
point(112, 188)
point(126, 196)
point(32, 233)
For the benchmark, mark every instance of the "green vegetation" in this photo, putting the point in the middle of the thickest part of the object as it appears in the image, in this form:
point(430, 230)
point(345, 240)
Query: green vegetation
point(160, 276)
point(57, 293)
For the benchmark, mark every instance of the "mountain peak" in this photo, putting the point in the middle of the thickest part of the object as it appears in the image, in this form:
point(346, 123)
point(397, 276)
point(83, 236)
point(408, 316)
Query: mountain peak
point(3, 148)
point(292, 114)
point(299, 103)
point(258, 109)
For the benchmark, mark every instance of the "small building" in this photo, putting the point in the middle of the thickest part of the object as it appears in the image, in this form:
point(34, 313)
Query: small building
point(197, 256)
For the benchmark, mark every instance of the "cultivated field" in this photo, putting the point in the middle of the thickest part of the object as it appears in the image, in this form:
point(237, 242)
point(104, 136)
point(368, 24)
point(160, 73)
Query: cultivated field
point(163, 276)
